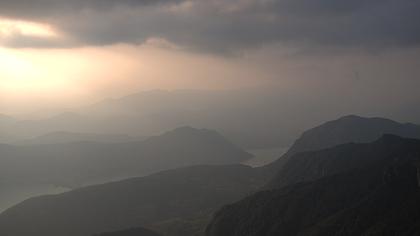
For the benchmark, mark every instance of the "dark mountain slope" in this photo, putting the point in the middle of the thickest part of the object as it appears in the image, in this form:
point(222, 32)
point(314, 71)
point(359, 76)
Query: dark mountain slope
point(175, 194)
point(89, 162)
point(194, 226)
point(348, 129)
point(131, 232)
point(309, 166)
point(379, 198)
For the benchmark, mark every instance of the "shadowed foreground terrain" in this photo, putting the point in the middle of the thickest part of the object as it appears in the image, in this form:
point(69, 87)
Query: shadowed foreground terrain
point(192, 192)
point(130, 232)
point(354, 189)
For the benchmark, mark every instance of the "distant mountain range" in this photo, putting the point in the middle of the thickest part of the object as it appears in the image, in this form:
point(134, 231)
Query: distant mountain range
point(271, 121)
point(354, 189)
point(254, 118)
point(81, 163)
point(71, 137)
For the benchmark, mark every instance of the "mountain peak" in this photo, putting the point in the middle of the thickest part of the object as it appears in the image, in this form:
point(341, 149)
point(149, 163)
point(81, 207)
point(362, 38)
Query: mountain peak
point(356, 118)
point(352, 117)
point(185, 129)
point(352, 128)
point(349, 129)
point(189, 131)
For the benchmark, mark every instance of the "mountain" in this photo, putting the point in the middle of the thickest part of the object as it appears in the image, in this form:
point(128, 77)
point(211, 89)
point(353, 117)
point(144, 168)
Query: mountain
point(310, 166)
point(70, 137)
point(186, 193)
point(148, 113)
point(192, 226)
point(338, 195)
point(69, 121)
point(350, 129)
point(181, 201)
point(347, 129)
point(81, 163)
point(222, 110)
point(130, 232)
point(274, 116)
point(5, 122)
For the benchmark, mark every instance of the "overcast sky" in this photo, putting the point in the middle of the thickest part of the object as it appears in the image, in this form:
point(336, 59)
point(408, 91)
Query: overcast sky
point(58, 53)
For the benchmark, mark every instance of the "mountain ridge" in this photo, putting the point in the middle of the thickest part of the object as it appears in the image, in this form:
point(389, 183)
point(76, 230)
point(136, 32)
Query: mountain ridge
point(346, 129)
point(200, 190)
point(82, 163)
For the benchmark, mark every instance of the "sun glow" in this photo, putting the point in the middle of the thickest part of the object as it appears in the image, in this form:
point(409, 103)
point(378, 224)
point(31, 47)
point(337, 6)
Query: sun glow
point(11, 28)
point(34, 78)
point(24, 70)
point(19, 73)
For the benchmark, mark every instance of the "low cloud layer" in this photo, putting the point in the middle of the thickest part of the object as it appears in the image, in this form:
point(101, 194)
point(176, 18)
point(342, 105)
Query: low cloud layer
point(224, 26)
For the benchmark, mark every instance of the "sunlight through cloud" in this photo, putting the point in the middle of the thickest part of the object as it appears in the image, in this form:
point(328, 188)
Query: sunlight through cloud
point(11, 28)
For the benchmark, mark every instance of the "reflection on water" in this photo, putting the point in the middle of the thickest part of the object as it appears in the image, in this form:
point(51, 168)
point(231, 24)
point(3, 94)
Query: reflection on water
point(13, 193)
point(264, 156)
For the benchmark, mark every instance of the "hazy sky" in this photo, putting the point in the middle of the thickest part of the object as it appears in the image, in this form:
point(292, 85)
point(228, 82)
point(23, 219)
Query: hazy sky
point(59, 53)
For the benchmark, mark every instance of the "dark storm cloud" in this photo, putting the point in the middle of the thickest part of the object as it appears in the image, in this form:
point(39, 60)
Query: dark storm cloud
point(45, 8)
point(230, 25)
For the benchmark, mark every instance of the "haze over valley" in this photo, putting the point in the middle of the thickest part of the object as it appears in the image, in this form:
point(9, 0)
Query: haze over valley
point(209, 118)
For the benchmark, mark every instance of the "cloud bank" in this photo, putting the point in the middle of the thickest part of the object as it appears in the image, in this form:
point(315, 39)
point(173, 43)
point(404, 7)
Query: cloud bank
point(223, 26)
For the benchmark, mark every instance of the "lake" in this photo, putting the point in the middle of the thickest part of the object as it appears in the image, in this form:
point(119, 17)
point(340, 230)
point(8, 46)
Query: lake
point(264, 156)
point(14, 193)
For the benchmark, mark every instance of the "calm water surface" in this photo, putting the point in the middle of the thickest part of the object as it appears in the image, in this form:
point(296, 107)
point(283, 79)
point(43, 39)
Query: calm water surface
point(13, 193)
point(264, 156)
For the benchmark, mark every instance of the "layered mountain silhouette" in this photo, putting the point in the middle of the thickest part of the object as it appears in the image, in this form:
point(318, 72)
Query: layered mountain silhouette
point(149, 113)
point(72, 137)
point(80, 163)
point(193, 192)
point(353, 189)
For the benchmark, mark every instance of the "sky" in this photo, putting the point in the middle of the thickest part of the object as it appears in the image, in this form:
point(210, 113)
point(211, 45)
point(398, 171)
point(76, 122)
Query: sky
point(60, 54)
